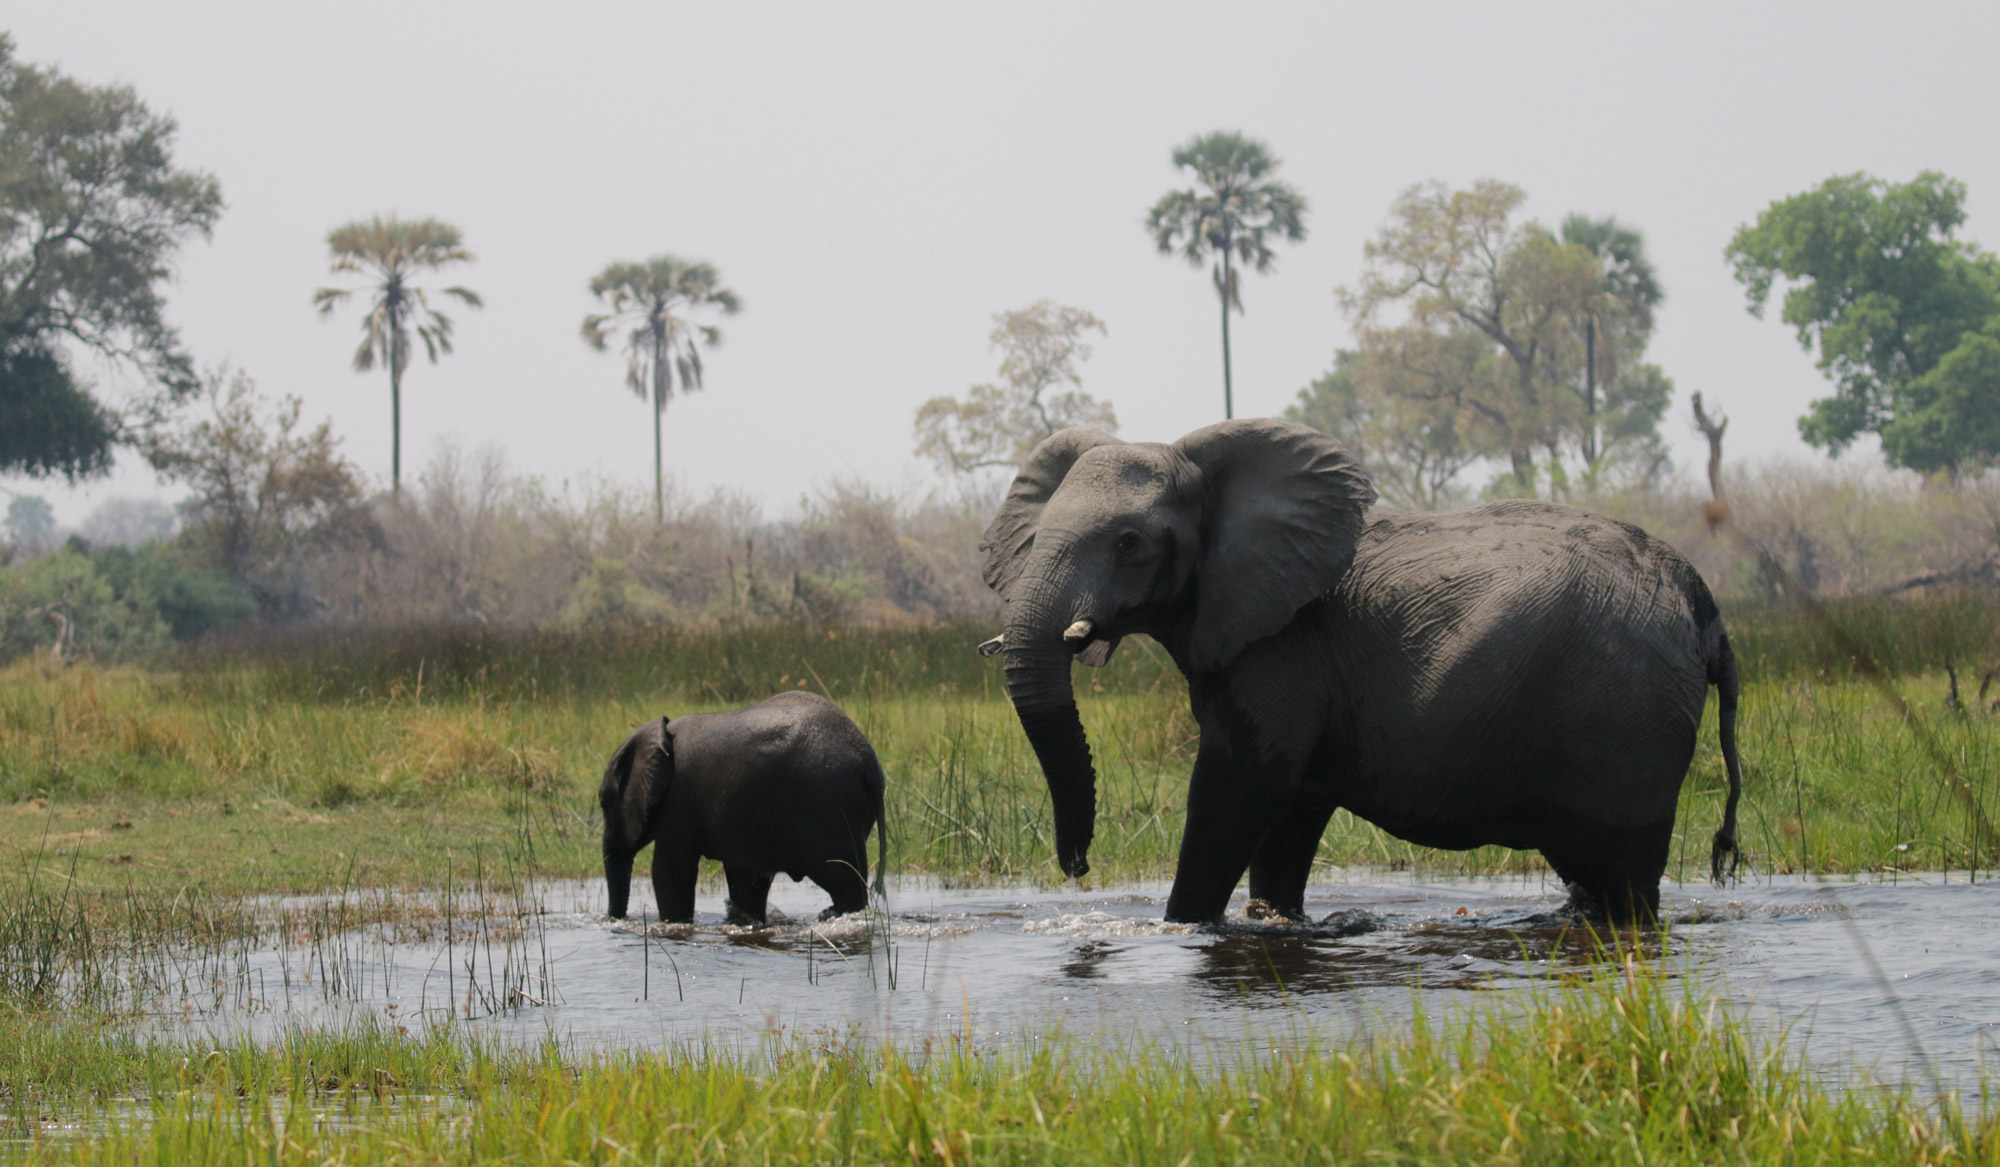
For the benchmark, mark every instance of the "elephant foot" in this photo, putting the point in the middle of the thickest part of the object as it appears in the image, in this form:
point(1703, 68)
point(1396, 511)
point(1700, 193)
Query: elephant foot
point(731, 914)
point(835, 911)
point(1352, 922)
point(1619, 905)
point(1266, 910)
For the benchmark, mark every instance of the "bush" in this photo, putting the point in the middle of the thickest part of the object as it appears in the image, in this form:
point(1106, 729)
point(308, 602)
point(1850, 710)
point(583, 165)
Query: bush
point(112, 603)
point(192, 601)
point(60, 603)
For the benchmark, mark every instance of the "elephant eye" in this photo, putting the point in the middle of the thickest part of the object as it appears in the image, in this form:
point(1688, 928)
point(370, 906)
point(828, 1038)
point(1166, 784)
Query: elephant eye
point(1129, 543)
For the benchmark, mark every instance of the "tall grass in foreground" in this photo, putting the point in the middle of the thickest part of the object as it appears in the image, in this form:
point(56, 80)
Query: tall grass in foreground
point(1631, 1066)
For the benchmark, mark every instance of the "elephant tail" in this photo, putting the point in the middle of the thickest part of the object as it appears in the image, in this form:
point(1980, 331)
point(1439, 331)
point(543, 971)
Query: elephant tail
point(881, 830)
point(1722, 674)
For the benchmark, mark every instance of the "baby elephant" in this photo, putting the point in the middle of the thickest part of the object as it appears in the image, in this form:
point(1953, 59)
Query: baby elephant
point(788, 785)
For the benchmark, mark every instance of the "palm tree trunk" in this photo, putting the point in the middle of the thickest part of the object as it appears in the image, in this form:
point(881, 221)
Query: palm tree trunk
point(659, 407)
point(1228, 391)
point(395, 406)
point(1589, 391)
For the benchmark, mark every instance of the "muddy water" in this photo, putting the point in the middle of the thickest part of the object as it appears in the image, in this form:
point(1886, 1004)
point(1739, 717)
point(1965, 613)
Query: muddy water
point(1011, 966)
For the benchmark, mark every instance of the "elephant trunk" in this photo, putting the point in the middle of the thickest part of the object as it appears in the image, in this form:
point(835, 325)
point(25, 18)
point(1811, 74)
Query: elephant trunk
point(618, 878)
point(1038, 683)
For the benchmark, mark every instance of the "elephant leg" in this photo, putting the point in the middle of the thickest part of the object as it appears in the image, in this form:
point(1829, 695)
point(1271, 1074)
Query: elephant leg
point(1615, 874)
point(1230, 809)
point(748, 893)
point(674, 872)
point(1283, 862)
point(846, 881)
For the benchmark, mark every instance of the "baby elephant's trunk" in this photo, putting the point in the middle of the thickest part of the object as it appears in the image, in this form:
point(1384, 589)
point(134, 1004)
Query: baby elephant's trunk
point(618, 880)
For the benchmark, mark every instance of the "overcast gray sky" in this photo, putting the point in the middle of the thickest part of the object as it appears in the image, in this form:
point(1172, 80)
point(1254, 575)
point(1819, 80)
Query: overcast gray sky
point(877, 180)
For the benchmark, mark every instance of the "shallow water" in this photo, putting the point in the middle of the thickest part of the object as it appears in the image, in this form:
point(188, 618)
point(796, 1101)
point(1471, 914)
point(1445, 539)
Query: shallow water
point(1011, 965)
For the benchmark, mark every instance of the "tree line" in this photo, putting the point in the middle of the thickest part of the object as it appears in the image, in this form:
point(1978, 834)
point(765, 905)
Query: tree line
point(1485, 339)
point(92, 211)
point(1482, 339)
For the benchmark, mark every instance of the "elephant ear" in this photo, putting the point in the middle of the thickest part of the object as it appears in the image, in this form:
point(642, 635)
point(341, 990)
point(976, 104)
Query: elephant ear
point(1285, 505)
point(639, 774)
point(657, 763)
point(1012, 531)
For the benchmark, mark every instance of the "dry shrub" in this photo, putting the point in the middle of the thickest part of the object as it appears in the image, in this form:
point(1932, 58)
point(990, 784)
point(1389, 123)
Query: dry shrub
point(153, 735)
point(80, 721)
point(448, 753)
point(470, 543)
point(1847, 528)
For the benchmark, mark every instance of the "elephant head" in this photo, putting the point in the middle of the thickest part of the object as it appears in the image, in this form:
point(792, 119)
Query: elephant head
point(1207, 545)
point(635, 785)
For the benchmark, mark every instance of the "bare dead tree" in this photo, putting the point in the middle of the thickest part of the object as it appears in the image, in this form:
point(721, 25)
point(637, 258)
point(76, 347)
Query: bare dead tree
point(59, 651)
point(1717, 508)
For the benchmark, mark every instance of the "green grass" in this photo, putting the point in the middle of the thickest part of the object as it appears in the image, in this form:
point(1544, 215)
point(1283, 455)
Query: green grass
point(1624, 1066)
point(1902, 635)
point(235, 775)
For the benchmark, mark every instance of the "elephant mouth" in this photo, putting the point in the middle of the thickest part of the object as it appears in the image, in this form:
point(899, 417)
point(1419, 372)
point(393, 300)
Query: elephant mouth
point(1080, 638)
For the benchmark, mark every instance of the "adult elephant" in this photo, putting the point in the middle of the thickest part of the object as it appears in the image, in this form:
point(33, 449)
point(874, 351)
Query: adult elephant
point(1521, 673)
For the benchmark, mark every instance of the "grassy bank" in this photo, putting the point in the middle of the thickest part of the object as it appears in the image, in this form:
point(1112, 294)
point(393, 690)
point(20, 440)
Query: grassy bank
point(1627, 1067)
point(265, 773)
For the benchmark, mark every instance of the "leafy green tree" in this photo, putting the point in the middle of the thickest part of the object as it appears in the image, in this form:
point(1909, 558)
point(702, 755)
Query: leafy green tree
point(1616, 318)
point(998, 425)
point(92, 210)
point(1903, 314)
point(1412, 440)
point(48, 423)
point(60, 603)
point(656, 300)
point(392, 253)
point(1232, 216)
point(155, 578)
point(1511, 333)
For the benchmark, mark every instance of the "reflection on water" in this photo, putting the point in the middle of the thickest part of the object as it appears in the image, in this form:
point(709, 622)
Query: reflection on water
point(1014, 965)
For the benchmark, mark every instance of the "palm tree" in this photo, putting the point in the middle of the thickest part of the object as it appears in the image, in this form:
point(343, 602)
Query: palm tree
point(654, 299)
point(1620, 307)
point(1232, 216)
point(389, 251)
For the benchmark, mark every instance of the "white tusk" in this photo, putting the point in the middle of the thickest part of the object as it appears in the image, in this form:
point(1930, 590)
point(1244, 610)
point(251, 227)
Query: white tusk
point(993, 646)
point(1078, 632)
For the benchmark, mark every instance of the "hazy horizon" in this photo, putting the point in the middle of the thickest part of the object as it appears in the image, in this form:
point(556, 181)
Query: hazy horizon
point(876, 186)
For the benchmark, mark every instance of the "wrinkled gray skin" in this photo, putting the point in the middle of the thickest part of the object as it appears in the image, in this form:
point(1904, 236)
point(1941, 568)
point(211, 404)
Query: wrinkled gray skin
point(1521, 673)
point(789, 785)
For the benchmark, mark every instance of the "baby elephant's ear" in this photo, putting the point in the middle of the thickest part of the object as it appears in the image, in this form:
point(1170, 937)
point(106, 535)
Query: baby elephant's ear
point(658, 763)
point(1285, 505)
point(617, 773)
point(1012, 531)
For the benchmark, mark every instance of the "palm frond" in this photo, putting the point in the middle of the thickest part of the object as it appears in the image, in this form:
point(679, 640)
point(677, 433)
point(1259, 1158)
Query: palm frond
point(388, 249)
point(635, 372)
point(653, 300)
